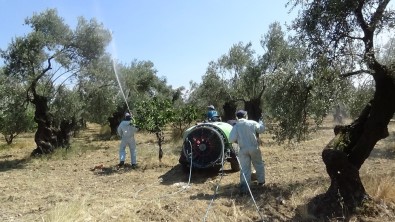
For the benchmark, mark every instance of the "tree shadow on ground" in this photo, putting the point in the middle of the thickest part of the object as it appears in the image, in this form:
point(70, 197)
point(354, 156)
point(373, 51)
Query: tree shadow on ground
point(383, 154)
point(11, 164)
point(386, 150)
point(260, 193)
point(274, 201)
point(326, 127)
point(180, 173)
point(317, 210)
point(269, 199)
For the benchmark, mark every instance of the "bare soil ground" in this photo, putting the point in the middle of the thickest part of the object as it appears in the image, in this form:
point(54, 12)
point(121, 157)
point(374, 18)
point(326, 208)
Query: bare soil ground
point(84, 184)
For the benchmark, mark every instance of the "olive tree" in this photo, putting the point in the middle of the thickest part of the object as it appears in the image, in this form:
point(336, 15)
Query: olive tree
point(212, 91)
point(225, 83)
point(138, 82)
point(16, 115)
point(343, 33)
point(243, 74)
point(184, 116)
point(98, 88)
point(52, 51)
point(153, 115)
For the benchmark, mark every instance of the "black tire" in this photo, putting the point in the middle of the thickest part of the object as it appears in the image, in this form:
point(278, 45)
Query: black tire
point(234, 164)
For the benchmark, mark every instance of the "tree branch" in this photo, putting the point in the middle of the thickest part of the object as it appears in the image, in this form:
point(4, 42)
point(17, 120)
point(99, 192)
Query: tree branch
point(73, 74)
point(378, 14)
point(66, 72)
point(263, 89)
point(362, 71)
point(33, 84)
point(352, 37)
point(359, 15)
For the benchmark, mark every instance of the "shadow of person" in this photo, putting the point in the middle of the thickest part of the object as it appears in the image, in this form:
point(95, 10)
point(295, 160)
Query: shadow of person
point(106, 171)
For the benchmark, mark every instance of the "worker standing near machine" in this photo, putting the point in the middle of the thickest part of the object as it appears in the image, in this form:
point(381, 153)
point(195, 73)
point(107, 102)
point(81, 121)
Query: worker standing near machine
point(244, 134)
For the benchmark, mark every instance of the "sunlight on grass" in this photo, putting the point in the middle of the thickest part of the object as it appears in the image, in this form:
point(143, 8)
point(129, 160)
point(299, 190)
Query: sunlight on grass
point(68, 212)
point(105, 132)
point(66, 186)
point(21, 142)
point(381, 188)
point(304, 194)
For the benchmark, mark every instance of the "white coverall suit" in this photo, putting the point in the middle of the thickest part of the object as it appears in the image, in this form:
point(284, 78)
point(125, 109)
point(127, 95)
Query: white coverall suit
point(126, 131)
point(244, 133)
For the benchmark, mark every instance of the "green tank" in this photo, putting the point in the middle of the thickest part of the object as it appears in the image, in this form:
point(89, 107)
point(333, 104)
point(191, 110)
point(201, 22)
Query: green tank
point(207, 145)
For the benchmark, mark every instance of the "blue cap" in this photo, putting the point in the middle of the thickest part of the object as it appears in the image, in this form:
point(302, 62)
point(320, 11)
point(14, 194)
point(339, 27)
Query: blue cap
point(241, 113)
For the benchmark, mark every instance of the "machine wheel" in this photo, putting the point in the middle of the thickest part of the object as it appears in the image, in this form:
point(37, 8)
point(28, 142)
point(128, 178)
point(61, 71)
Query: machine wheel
point(234, 164)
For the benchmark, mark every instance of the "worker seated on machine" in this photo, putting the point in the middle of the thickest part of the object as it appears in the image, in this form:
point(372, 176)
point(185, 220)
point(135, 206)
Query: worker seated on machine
point(212, 114)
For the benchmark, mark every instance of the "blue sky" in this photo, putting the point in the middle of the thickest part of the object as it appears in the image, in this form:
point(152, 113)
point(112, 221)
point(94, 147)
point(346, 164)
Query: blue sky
point(179, 36)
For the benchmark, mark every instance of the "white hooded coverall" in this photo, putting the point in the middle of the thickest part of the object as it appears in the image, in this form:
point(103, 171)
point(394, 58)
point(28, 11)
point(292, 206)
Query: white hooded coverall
point(244, 133)
point(126, 131)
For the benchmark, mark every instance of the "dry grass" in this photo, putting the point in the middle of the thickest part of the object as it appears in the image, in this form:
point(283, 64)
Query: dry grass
point(83, 183)
point(381, 188)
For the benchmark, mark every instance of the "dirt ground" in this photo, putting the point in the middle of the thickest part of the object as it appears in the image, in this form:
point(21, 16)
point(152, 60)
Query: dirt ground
point(84, 184)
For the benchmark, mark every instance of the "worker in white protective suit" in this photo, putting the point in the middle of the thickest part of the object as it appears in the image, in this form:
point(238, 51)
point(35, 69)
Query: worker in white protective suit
point(244, 134)
point(126, 131)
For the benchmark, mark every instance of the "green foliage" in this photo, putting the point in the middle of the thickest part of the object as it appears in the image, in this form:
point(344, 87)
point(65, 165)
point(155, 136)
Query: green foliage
point(226, 79)
point(297, 91)
point(15, 114)
point(237, 67)
point(154, 114)
point(98, 90)
point(140, 81)
point(328, 90)
point(341, 141)
point(53, 51)
point(213, 90)
point(286, 105)
point(184, 117)
point(361, 96)
point(338, 38)
point(50, 52)
point(66, 105)
point(344, 31)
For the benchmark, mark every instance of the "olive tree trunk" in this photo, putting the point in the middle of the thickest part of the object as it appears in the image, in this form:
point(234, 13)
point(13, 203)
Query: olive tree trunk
point(253, 108)
point(229, 111)
point(45, 136)
point(348, 150)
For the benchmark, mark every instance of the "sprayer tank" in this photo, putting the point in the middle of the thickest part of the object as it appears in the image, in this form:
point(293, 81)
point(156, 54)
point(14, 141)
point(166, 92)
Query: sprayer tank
point(207, 145)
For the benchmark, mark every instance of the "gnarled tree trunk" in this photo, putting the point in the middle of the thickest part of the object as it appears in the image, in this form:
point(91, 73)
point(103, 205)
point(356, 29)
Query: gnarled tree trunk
point(45, 136)
point(229, 111)
point(114, 122)
point(349, 149)
point(65, 131)
point(253, 108)
point(116, 119)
